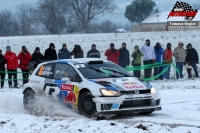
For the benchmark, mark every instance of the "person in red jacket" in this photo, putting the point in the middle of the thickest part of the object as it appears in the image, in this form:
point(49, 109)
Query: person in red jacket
point(12, 65)
point(112, 54)
point(168, 59)
point(24, 57)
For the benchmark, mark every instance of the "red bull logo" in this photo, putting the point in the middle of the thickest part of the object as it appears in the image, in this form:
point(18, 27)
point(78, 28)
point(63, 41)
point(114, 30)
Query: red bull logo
point(132, 85)
point(70, 98)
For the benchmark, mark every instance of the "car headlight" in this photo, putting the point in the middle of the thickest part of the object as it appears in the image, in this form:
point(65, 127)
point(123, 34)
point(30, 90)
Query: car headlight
point(109, 93)
point(153, 90)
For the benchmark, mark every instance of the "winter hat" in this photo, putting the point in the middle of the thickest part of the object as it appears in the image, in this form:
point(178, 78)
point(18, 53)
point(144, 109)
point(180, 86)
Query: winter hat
point(23, 47)
point(189, 44)
point(52, 44)
point(0, 51)
point(93, 45)
point(169, 44)
point(8, 48)
point(37, 48)
point(148, 40)
point(136, 46)
point(64, 44)
point(123, 43)
point(112, 44)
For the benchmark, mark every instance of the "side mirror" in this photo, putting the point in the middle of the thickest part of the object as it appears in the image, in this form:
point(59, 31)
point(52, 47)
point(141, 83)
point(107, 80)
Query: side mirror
point(65, 79)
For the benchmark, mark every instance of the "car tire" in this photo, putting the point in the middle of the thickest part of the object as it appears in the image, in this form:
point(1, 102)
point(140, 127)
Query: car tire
point(29, 99)
point(86, 105)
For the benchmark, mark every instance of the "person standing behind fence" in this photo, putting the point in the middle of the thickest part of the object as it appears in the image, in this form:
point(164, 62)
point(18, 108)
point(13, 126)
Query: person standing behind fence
point(180, 55)
point(12, 65)
point(24, 57)
point(77, 52)
point(2, 69)
point(137, 61)
point(37, 56)
point(50, 53)
point(112, 54)
point(192, 58)
point(159, 58)
point(93, 53)
point(124, 58)
point(168, 59)
point(64, 53)
point(149, 57)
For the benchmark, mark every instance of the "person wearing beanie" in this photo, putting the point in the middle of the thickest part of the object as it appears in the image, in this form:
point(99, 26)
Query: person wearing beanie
point(149, 57)
point(124, 58)
point(180, 55)
point(137, 61)
point(37, 56)
point(50, 53)
point(2, 69)
point(64, 53)
point(192, 59)
point(168, 60)
point(112, 54)
point(93, 53)
point(12, 65)
point(77, 52)
point(24, 57)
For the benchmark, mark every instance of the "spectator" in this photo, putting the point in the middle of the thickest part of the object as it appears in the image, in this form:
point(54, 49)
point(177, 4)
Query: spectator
point(192, 58)
point(77, 52)
point(2, 69)
point(159, 58)
point(168, 59)
point(149, 57)
point(50, 53)
point(112, 54)
point(137, 61)
point(12, 65)
point(93, 53)
point(180, 55)
point(124, 58)
point(37, 56)
point(64, 53)
point(24, 57)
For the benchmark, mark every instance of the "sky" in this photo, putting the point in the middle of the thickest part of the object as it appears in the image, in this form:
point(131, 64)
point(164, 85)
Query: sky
point(162, 5)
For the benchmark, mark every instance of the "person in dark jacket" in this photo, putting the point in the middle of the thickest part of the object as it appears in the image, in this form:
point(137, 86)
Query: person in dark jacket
point(77, 52)
point(37, 56)
point(24, 57)
point(50, 53)
point(159, 51)
point(12, 65)
point(124, 59)
point(2, 69)
point(112, 54)
point(192, 58)
point(93, 53)
point(64, 53)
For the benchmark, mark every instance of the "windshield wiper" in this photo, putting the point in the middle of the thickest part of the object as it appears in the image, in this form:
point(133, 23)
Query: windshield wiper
point(117, 72)
point(102, 72)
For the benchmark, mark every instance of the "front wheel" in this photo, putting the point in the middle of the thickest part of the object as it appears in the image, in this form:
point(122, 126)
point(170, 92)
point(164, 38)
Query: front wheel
point(86, 105)
point(29, 99)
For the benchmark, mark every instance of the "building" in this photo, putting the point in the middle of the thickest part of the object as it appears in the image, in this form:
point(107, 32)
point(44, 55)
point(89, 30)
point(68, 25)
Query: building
point(158, 22)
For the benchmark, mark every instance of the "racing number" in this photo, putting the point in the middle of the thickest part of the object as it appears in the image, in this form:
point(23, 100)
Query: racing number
point(52, 90)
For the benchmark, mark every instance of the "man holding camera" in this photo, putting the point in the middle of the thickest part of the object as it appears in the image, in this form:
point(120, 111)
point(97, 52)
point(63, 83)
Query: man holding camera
point(24, 57)
point(112, 53)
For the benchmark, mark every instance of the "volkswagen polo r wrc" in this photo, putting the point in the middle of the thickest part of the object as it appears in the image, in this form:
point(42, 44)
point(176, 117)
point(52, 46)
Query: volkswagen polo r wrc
point(94, 87)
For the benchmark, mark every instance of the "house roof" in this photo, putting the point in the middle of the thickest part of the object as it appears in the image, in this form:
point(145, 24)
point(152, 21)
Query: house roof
point(161, 17)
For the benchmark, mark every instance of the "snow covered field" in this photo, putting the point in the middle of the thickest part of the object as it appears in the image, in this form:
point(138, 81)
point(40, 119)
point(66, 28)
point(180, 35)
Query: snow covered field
point(180, 98)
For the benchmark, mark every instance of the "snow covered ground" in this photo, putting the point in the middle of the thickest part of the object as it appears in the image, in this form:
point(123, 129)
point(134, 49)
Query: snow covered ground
point(180, 98)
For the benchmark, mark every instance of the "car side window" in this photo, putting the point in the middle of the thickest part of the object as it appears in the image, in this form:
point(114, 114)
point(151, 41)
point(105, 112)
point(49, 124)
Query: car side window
point(64, 70)
point(46, 70)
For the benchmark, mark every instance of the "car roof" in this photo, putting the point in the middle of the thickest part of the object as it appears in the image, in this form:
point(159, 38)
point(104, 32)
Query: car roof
point(79, 60)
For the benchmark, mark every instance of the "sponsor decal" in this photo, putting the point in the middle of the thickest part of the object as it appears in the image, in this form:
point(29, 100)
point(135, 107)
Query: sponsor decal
point(66, 87)
point(132, 85)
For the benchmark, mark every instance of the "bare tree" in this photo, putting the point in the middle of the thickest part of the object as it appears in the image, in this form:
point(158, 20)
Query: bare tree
point(108, 27)
point(25, 15)
point(52, 13)
point(6, 22)
point(87, 10)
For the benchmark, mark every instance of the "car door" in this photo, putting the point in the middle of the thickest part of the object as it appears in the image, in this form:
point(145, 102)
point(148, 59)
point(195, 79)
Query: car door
point(69, 91)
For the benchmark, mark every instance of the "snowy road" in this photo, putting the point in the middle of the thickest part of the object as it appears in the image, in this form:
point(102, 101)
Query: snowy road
point(180, 113)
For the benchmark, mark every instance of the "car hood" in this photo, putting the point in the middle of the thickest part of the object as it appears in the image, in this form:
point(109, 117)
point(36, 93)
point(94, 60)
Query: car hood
point(122, 84)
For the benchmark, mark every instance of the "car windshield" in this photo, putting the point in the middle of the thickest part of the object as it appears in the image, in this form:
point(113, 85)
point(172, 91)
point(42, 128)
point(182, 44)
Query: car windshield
point(104, 70)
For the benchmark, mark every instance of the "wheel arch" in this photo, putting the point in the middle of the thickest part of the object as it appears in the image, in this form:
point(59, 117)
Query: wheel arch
point(83, 91)
point(28, 88)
